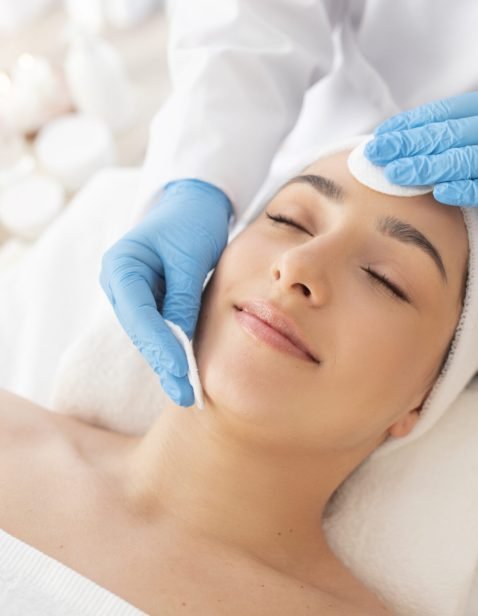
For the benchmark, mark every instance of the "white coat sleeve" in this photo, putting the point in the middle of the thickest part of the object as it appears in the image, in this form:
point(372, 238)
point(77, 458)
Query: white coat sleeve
point(239, 71)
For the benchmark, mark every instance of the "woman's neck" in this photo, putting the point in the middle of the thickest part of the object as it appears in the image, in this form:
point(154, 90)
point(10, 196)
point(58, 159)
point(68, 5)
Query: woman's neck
point(217, 480)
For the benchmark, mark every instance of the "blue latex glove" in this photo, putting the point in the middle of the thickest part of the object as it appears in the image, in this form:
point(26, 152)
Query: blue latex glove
point(161, 265)
point(432, 144)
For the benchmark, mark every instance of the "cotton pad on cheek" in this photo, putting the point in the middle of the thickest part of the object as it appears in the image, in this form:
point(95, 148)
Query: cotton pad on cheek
point(373, 176)
point(193, 373)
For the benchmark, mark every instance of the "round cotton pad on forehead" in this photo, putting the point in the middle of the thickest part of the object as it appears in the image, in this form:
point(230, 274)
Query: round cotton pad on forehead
point(193, 373)
point(373, 176)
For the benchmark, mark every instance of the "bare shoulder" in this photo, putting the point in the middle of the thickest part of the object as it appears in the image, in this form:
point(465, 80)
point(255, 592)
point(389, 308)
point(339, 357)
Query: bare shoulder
point(31, 442)
point(39, 460)
point(23, 421)
point(21, 418)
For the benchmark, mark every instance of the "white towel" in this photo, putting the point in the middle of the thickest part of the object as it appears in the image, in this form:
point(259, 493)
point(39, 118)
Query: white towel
point(406, 524)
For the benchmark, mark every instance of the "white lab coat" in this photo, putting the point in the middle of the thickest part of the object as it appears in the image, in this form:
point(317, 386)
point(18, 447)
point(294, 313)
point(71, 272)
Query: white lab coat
point(246, 74)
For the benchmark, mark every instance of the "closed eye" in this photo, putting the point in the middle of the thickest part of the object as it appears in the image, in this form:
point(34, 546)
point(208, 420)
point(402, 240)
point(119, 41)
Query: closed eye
point(280, 218)
point(394, 289)
point(387, 283)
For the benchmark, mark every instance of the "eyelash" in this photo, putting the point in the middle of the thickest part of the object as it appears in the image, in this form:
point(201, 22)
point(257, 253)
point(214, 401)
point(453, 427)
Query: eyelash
point(391, 287)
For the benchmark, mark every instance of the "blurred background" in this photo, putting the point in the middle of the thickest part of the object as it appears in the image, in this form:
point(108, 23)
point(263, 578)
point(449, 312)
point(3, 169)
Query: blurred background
point(80, 81)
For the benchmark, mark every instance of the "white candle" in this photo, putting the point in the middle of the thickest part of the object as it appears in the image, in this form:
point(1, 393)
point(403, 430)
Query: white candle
point(38, 93)
point(73, 147)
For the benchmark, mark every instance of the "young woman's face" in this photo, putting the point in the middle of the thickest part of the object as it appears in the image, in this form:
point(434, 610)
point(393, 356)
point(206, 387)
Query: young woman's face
point(378, 351)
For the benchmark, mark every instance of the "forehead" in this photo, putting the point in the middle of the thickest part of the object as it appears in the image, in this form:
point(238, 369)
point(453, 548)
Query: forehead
point(442, 224)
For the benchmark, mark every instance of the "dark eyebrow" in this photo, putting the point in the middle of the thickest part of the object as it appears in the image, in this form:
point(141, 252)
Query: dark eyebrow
point(390, 226)
point(325, 186)
point(404, 232)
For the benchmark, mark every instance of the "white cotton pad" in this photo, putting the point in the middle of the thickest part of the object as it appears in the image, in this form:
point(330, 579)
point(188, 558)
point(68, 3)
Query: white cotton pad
point(373, 176)
point(193, 373)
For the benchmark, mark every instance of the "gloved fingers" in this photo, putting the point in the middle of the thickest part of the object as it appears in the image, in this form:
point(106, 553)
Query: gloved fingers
point(454, 164)
point(125, 259)
point(135, 307)
point(177, 388)
point(460, 192)
point(452, 108)
point(183, 297)
point(429, 139)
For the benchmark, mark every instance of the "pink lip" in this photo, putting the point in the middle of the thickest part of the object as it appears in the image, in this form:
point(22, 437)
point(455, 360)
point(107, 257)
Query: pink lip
point(266, 322)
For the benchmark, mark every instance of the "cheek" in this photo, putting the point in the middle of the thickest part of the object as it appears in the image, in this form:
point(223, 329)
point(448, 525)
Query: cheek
point(384, 360)
point(242, 377)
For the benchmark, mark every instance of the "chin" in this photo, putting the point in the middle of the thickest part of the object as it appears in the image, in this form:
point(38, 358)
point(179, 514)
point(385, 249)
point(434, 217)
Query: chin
point(241, 375)
point(242, 385)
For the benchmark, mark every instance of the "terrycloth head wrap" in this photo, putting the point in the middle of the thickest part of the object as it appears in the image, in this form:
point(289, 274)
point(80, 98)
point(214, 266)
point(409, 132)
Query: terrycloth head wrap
point(462, 361)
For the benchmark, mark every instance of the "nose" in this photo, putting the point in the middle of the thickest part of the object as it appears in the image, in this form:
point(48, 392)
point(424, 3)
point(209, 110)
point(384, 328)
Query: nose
point(312, 267)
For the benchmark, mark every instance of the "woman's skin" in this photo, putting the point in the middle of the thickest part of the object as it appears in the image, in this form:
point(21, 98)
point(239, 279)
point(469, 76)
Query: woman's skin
point(254, 470)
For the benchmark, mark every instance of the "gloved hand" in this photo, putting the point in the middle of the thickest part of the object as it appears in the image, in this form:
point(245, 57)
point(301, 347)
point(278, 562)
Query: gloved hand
point(436, 144)
point(161, 264)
